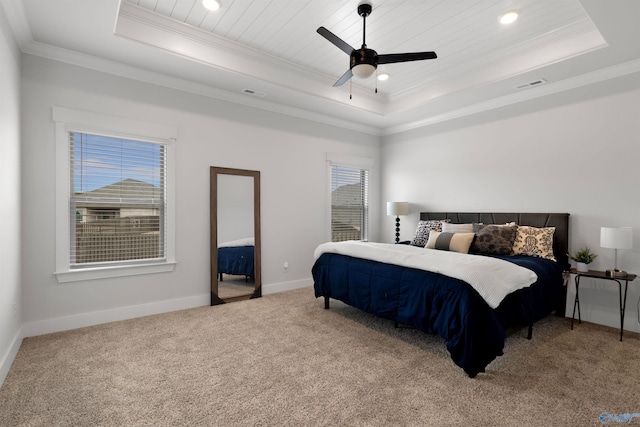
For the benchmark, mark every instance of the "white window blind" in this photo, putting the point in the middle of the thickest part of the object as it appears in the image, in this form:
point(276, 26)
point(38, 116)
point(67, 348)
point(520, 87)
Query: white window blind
point(117, 201)
point(349, 203)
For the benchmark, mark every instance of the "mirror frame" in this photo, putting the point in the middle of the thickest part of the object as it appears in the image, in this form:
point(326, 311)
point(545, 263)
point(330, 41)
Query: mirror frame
point(213, 213)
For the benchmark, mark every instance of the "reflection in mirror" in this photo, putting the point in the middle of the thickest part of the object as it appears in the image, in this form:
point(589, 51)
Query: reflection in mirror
point(235, 235)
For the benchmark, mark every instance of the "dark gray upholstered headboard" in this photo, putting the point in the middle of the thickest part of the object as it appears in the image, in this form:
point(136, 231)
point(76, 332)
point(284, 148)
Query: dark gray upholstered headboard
point(558, 220)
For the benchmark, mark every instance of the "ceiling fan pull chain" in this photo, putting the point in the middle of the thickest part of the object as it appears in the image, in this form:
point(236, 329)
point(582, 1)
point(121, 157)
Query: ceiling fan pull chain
point(376, 80)
point(350, 88)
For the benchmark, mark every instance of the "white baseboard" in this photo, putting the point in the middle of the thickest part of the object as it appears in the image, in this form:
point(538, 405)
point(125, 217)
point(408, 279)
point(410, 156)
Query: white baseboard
point(75, 321)
point(286, 286)
point(10, 355)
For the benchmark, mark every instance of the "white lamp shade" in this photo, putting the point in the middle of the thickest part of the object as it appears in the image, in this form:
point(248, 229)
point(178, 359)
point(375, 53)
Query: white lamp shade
point(363, 70)
point(397, 208)
point(616, 237)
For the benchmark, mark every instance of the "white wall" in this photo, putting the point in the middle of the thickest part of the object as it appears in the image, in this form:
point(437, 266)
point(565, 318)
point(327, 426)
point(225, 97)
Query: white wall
point(580, 157)
point(289, 153)
point(10, 295)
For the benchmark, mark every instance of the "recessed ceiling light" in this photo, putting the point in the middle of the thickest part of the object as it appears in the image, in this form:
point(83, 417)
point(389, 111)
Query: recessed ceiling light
point(509, 17)
point(212, 4)
point(383, 76)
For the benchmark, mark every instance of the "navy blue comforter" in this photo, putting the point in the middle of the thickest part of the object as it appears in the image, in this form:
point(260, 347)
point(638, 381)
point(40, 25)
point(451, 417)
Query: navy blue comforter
point(437, 304)
point(236, 260)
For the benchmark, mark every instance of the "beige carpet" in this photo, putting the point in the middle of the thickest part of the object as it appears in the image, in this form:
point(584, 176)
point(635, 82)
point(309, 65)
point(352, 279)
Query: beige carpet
point(282, 360)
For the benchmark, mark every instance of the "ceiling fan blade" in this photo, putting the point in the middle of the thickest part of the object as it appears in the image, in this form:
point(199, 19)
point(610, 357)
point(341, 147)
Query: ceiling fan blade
point(344, 46)
point(405, 57)
point(345, 78)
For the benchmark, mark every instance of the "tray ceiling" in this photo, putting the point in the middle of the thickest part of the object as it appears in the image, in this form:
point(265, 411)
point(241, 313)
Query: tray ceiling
point(266, 53)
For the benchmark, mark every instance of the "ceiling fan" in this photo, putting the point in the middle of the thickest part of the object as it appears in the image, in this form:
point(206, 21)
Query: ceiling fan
point(365, 61)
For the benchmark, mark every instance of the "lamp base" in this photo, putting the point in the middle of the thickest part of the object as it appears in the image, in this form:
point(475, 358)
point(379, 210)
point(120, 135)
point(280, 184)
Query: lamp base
point(615, 273)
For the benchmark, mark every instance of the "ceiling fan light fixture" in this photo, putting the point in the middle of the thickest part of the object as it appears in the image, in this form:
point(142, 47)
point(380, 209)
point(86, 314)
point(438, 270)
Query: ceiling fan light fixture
point(363, 62)
point(509, 17)
point(363, 71)
point(212, 4)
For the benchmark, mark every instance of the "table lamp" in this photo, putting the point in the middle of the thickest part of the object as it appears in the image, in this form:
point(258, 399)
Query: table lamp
point(397, 209)
point(616, 238)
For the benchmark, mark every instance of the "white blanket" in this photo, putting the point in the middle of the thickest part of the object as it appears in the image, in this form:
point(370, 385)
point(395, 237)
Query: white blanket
point(249, 241)
point(492, 278)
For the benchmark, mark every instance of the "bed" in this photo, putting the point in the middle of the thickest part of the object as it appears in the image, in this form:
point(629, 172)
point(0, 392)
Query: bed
point(446, 301)
point(237, 258)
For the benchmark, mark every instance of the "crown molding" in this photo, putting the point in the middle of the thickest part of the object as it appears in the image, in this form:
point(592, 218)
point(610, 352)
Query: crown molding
point(17, 18)
point(326, 99)
point(135, 73)
point(582, 80)
point(127, 71)
point(144, 26)
point(525, 57)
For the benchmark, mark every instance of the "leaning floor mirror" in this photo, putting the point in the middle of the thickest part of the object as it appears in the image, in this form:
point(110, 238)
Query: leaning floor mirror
point(235, 235)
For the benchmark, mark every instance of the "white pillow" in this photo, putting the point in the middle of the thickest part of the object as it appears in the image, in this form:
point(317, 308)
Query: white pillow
point(447, 227)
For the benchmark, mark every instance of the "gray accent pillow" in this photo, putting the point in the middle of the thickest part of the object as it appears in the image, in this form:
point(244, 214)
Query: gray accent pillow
point(493, 239)
point(424, 228)
point(447, 241)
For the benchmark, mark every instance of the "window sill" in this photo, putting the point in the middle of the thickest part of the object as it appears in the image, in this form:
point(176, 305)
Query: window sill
point(108, 272)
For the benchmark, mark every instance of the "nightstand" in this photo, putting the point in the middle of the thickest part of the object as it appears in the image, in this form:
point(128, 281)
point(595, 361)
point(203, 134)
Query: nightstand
point(594, 274)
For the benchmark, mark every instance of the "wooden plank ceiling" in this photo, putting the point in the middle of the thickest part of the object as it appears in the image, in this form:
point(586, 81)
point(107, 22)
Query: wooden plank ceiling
point(465, 34)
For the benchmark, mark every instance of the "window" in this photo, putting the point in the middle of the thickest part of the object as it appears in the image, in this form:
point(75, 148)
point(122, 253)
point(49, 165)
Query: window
point(114, 204)
point(349, 203)
point(117, 200)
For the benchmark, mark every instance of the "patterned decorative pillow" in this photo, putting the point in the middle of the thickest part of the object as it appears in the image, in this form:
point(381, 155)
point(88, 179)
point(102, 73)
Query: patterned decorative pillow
point(455, 242)
point(423, 229)
point(493, 239)
point(447, 227)
point(534, 241)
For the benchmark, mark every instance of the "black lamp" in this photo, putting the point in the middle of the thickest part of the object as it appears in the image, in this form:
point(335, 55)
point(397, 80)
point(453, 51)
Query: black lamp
point(397, 209)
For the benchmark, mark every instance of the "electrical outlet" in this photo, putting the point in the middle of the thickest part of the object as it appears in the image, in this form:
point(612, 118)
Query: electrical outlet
point(285, 266)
